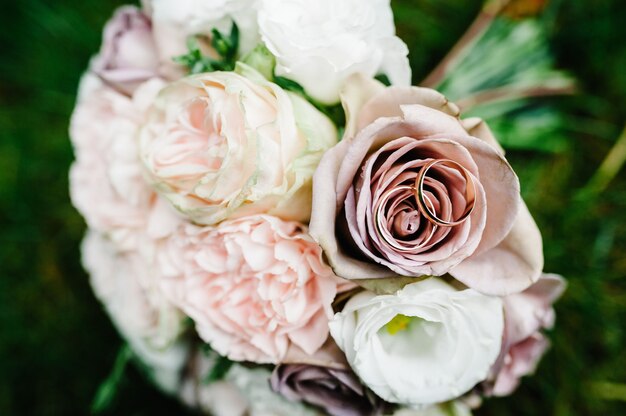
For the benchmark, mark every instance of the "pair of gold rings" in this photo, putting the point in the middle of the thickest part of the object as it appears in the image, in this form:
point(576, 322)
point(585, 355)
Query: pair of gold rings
point(424, 203)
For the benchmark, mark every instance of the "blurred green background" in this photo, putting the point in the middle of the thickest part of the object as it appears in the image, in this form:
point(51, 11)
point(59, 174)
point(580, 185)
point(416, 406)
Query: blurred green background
point(57, 344)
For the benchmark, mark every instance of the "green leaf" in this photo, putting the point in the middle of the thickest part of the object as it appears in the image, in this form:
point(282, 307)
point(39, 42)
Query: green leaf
point(219, 370)
point(110, 387)
point(225, 46)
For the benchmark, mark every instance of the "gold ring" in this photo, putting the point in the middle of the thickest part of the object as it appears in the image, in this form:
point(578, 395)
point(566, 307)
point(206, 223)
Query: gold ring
point(470, 193)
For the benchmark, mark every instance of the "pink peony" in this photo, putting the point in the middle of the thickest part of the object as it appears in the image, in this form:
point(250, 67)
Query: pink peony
point(106, 181)
point(526, 314)
point(254, 286)
point(128, 56)
point(412, 190)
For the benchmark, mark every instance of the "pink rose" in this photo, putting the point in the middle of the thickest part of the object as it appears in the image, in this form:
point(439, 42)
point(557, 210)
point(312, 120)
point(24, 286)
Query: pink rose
point(413, 190)
point(128, 56)
point(106, 180)
point(254, 286)
point(221, 145)
point(526, 314)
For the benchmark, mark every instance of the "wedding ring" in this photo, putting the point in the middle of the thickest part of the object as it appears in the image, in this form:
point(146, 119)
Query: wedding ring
point(423, 201)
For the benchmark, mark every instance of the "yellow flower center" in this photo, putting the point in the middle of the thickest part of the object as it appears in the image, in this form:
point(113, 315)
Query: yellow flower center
point(398, 323)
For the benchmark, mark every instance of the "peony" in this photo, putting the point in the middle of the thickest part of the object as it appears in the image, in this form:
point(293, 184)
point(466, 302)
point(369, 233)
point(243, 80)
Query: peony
point(412, 190)
point(175, 20)
point(106, 180)
point(320, 44)
point(253, 286)
point(125, 284)
point(526, 314)
point(425, 344)
point(339, 392)
point(221, 145)
point(128, 56)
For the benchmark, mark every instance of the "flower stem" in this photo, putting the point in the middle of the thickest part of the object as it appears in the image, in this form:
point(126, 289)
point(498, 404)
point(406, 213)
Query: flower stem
point(610, 167)
point(477, 29)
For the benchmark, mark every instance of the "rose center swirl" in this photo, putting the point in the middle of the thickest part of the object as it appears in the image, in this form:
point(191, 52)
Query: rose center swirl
point(395, 211)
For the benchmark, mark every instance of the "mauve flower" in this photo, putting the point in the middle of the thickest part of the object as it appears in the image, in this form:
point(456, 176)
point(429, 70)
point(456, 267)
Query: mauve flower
point(222, 145)
point(526, 314)
point(253, 286)
point(106, 180)
point(412, 190)
point(128, 56)
point(339, 392)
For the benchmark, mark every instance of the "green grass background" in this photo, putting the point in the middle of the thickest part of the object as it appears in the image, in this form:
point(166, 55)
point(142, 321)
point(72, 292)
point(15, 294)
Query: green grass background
point(56, 343)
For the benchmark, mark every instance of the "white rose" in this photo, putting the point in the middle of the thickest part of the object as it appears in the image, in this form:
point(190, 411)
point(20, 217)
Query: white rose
point(426, 344)
point(320, 44)
point(175, 20)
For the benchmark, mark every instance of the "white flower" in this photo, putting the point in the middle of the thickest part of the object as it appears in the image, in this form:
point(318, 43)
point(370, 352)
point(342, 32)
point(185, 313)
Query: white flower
point(254, 385)
point(142, 315)
point(320, 43)
point(456, 408)
point(426, 344)
point(175, 20)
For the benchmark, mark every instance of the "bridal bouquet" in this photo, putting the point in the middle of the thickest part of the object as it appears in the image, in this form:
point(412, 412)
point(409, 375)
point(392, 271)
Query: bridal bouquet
point(279, 224)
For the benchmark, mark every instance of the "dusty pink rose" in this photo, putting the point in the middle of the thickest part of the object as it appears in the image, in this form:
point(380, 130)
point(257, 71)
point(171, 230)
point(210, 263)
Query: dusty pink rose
point(223, 145)
point(526, 314)
point(254, 286)
point(128, 56)
point(412, 190)
point(106, 180)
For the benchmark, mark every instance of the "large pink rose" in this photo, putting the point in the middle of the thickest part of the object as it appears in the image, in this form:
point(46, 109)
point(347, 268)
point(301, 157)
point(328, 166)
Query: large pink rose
point(106, 180)
point(128, 56)
point(526, 314)
point(412, 190)
point(254, 286)
point(223, 145)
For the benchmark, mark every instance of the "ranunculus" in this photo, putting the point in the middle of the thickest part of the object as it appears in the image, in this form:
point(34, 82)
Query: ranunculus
point(128, 56)
point(338, 392)
point(175, 20)
point(221, 145)
point(526, 314)
point(253, 286)
point(106, 181)
point(413, 190)
point(320, 44)
point(425, 344)
point(125, 284)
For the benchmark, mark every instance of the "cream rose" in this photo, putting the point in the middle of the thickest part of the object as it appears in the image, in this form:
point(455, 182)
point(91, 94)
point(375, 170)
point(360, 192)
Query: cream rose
point(428, 343)
point(320, 44)
point(415, 191)
point(223, 145)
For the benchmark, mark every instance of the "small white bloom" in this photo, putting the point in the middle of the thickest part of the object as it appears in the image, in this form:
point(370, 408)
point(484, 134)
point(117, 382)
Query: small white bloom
point(142, 315)
point(426, 344)
point(320, 44)
point(175, 20)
